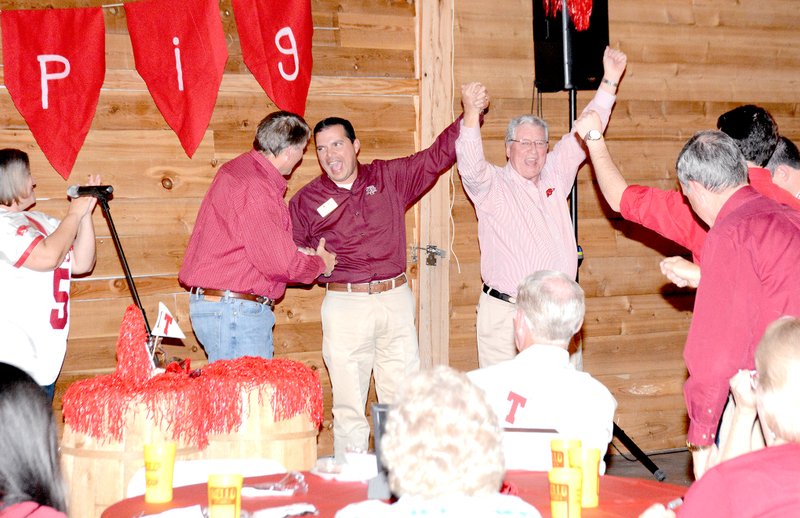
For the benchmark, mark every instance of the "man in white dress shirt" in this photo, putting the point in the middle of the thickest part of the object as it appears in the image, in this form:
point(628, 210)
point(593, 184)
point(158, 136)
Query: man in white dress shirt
point(538, 395)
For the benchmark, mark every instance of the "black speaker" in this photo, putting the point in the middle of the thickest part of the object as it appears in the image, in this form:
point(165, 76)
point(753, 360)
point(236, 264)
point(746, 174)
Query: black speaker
point(581, 66)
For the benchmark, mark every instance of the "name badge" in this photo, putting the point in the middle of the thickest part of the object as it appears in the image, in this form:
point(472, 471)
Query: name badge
point(327, 207)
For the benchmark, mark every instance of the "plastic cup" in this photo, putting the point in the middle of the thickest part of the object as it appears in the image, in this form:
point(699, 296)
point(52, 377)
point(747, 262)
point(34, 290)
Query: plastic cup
point(559, 449)
point(224, 496)
point(159, 462)
point(588, 460)
point(565, 489)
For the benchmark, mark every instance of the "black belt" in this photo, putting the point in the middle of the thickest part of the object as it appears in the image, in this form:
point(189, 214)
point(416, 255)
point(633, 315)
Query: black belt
point(498, 295)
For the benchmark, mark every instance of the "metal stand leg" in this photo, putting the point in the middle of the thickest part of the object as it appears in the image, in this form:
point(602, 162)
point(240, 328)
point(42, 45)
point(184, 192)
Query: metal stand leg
point(641, 456)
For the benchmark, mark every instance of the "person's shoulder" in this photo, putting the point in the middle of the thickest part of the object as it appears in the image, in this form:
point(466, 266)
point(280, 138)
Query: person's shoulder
point(30, 510)
point(313, 188)
point(487, 376)
point(366, 509)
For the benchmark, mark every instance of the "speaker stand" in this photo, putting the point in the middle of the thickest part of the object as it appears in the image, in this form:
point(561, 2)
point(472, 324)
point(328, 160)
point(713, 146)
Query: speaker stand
point(641, 456)
point(619, 433)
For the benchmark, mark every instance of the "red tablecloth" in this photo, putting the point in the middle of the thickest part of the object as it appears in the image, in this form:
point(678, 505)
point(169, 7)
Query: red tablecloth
point(619, 497)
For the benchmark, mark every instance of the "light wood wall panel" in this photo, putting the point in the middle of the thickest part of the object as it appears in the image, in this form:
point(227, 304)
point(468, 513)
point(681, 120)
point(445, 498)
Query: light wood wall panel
point(688, 62)
point(364, 70)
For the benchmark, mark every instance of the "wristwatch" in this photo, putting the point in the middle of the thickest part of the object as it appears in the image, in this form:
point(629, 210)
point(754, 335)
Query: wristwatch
point(696, 447)
point(593, 134)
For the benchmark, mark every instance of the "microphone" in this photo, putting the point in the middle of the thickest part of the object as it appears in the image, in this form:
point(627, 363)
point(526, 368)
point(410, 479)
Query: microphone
point(98, 191)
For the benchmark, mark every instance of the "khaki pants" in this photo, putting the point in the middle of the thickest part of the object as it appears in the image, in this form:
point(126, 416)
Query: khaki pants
point(495, 331)
point(362, 333)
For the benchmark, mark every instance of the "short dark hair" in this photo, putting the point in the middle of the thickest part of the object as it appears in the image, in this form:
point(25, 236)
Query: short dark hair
point(336, 121)
point(280, 130)
point(29, 461)
point(754, 131)
point(14, 170)
point(786, 153)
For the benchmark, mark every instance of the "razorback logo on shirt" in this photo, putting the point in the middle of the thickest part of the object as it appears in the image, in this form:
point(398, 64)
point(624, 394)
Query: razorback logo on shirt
point(21, 230)
point(549, 192)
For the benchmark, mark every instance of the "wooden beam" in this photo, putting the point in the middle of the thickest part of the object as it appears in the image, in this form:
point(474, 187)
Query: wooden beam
point(435, 113)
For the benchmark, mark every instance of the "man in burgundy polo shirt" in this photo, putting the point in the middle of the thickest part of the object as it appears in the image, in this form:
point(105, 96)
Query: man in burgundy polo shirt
point(368, 314)
point(241, 254)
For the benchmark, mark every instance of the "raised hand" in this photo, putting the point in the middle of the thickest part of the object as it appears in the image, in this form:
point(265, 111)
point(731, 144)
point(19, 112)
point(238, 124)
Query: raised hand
point(614, 63)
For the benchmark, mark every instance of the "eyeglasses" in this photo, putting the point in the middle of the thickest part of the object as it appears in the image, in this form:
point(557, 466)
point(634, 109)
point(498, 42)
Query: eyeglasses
point(526, 144)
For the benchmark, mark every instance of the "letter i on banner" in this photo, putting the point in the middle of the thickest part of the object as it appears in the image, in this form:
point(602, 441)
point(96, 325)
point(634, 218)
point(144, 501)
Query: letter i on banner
point(180, 52)
point(54, 74)
point(275, 36)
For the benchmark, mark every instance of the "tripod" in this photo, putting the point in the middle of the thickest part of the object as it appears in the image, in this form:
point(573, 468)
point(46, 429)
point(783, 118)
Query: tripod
point(103, 201)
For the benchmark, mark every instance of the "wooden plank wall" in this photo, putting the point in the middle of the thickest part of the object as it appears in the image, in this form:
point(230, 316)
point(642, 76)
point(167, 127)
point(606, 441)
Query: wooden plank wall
point(364, 70)
point(688, 62)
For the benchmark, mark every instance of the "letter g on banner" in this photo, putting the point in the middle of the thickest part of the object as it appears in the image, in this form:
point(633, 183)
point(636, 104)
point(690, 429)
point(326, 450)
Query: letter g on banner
point(291, 51)
point(275, 36)
point(54, 74)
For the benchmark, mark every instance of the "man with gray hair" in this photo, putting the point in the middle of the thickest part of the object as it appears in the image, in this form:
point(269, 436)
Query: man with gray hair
point(749, 266)
point(523, 215)
point(538, 395)
point(241, 254)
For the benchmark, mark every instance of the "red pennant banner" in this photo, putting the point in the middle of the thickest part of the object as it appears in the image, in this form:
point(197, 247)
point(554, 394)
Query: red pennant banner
point(180, 52)
point(54, 63)
point(276, 46)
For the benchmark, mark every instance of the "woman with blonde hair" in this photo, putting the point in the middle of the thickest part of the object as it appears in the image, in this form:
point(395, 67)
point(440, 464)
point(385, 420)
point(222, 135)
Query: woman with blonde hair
point(444, 451)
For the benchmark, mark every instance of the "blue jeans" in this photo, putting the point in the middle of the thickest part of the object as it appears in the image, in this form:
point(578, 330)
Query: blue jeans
point(232, 328)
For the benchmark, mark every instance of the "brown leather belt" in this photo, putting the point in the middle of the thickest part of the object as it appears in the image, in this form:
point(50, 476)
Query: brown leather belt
point(369, 287)
point(218, 295)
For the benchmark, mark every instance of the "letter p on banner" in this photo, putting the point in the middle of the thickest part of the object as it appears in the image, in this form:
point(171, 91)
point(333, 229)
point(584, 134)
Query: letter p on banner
point(54, 62)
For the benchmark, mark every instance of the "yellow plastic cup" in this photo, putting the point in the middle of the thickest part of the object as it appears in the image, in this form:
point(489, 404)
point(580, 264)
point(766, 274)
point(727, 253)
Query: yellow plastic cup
point(224, 496)
point(565, 489)
point(559, 449)
point(159, 462)
point(588, 459)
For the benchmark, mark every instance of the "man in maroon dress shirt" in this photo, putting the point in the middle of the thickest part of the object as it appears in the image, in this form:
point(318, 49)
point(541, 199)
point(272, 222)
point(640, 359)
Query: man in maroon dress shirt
point(368, 314)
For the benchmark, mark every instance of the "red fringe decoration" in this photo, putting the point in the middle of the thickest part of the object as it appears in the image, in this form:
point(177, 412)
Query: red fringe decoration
point(186, 407)
point(133, 360)
point(580, 11)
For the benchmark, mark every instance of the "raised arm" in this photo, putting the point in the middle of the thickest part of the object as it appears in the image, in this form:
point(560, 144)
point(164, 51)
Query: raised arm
point(612, 183)
point(614, 63)
point(474, 99)
point(75, 230)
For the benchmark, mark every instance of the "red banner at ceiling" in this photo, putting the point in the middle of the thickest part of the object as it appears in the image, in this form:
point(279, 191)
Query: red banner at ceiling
point(54, 64)
point(276, 46)
point(180, 52)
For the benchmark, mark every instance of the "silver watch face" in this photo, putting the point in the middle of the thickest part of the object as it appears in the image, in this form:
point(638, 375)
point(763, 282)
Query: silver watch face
point(593, 134)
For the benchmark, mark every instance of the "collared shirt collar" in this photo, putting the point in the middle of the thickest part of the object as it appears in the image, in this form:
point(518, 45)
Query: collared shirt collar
point(273, 175)
point(544, 352)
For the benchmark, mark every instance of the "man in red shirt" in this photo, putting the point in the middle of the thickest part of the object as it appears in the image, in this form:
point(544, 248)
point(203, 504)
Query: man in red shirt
point(241, 254)
point(667, 212)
